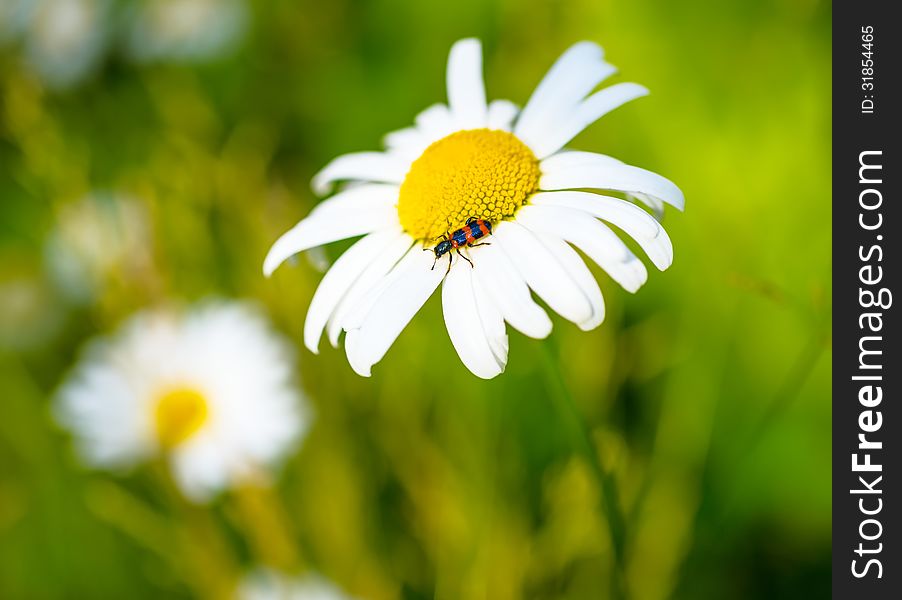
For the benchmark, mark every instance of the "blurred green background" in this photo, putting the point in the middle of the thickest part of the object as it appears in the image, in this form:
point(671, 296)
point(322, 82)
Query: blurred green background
point(147, 178)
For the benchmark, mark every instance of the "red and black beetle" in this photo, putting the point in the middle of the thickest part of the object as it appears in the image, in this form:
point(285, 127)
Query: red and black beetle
point(468, 235)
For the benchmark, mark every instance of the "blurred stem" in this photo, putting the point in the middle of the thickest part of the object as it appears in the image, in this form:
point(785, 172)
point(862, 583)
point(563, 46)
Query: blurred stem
point(211, 566)
point(118, 507)
point(744, 447)
point(581, 436)
point(265, 523)
point(798, 374)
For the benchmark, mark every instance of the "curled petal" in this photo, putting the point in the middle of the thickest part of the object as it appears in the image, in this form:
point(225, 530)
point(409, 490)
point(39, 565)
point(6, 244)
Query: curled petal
point(390, 308)
point(576, 269)
point(575, 170)
point(543, 272)
point(500, 279)
point(465, 326)
point(592, 237)
point(368, 279)
point(634, 221)
point(336, 282)
point(492, 323)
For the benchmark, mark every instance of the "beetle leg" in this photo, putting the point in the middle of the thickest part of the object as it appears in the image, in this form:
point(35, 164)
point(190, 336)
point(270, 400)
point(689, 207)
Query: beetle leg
point(449, 264)
point(460, 254)
point(480, 244)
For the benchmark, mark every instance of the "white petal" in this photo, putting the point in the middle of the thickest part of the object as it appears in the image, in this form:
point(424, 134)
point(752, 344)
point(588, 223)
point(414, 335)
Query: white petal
point(587, 112)
point(464, 324)
point(656, 205)
point(376, 271)
point(543, 273)
point(318, 230)
point(637, 223)
point(361, 166)
point(573, 170)
point(409, 285)
point(501, 114)
point(318, 259)
point(592, 237)
point(580, 274)
point(408, 142)
point(199, 468)
point(359, 310)
point(337, 280)
point(435, 122)
point(352, 337)
point(500, 279)
point(360, 197)
point(466, 91)
point(571, 159)
point(574, 75)
point(492, 322)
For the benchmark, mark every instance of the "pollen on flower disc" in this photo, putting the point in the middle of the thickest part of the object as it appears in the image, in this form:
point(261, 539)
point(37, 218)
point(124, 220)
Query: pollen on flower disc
point(480, 173)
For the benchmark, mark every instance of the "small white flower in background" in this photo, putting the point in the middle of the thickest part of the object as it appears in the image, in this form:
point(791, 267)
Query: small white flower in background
point(14, 17)
point(210, 389)
point(491, 161)
point(102, 237)
point(30, 315)
point(185, 30)
point(265, 584)
point(65, 39)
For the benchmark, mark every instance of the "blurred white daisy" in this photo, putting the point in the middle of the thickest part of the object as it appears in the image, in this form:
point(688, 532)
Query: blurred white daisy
point(65, 39)
point(265, 584)
point(185, 30)
point(30, 315)
point(103, 237)
point(491, 161)
point(14, 16)
point(211, 390)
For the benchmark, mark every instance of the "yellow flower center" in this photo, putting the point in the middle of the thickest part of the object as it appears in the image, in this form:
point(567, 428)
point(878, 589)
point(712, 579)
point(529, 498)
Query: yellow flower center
point(480, 173)
point(178, 415)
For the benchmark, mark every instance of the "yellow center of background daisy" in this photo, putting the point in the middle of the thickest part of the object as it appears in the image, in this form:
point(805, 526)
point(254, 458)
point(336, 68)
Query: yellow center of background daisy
point(479, 173)
point(178, 415)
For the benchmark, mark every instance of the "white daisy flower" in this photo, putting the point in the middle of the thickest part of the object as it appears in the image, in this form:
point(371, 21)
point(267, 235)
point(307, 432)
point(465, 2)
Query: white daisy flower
point(211, 390)
point(102, 238)
point(265, 584)
point(185, 30)
point(491, 161)
point(30, 315)
point(65, 39)
point(14, 17)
